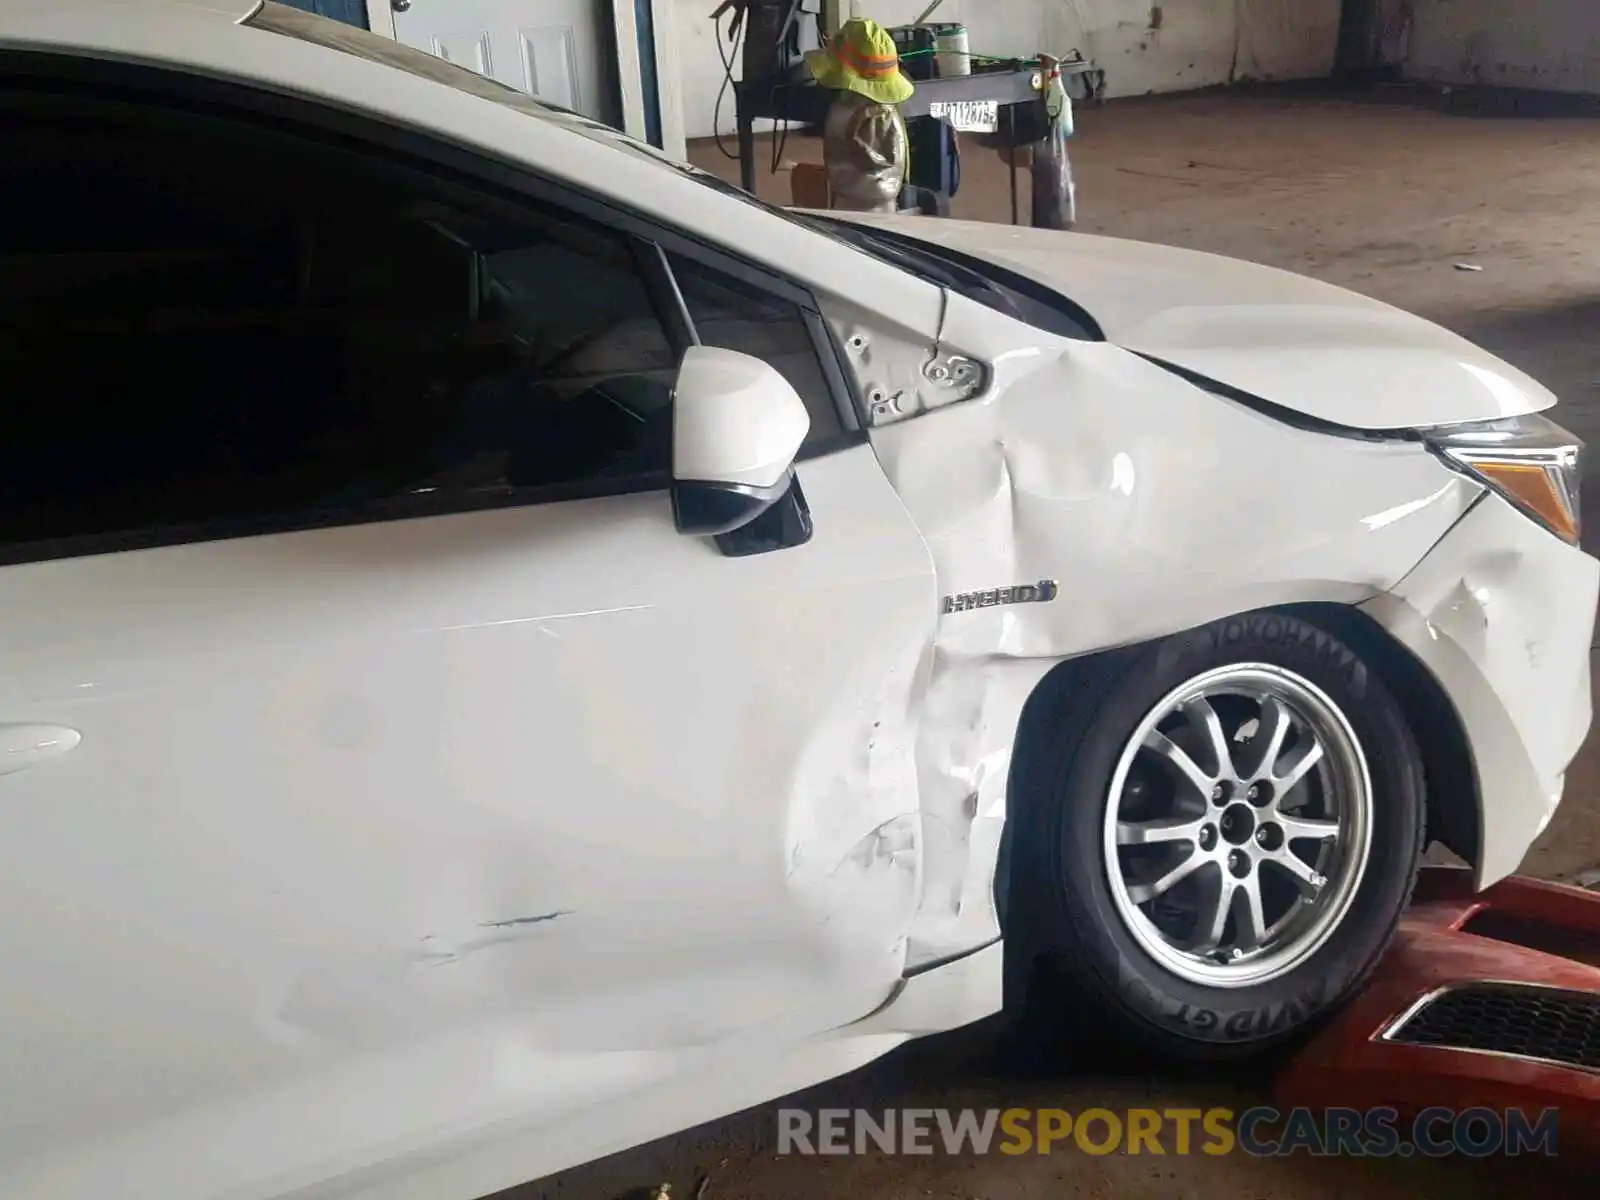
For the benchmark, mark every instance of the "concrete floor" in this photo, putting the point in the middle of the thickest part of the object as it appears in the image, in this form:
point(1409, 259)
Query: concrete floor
point(1384, 193)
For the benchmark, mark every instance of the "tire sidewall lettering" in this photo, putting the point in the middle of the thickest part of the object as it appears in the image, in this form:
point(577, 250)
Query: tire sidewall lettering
point(1244, 1024)
point(1322, 654)
point(1275, 1010)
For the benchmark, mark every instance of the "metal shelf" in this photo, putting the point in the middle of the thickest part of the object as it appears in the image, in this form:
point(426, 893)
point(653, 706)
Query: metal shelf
point(800, 100)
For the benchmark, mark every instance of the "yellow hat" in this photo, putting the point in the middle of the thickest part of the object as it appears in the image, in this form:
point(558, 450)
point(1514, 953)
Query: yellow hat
point(862, 58)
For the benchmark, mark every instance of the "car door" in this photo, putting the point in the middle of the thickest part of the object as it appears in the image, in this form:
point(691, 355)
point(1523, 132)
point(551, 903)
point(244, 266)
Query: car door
point(380, 766)
point(554, 49)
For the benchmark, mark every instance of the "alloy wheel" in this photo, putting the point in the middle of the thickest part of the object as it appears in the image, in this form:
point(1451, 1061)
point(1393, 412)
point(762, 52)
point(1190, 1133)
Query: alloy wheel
point(1238, 825)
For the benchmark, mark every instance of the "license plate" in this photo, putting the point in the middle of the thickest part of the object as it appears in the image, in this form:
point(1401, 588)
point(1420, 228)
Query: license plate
point(968, 116)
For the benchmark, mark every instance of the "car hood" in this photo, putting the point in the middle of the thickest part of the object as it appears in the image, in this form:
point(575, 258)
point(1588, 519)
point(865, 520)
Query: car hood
point(1307, 346)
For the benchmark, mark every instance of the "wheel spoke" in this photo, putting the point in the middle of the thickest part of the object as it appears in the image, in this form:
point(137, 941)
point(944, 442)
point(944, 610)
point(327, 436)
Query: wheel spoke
point(1233, 858)
point(1297, 829)
point(1200, 712)
point(1142, 893)
point(1253, 923)
point(1210, 928)
point(1273, 729)
point(1151, 833)
point(1305, 877)
point(1308, 757)
point(1178, 758)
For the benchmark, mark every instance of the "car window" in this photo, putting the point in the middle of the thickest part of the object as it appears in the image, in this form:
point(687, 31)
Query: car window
point(733, 315)
point(199, 325)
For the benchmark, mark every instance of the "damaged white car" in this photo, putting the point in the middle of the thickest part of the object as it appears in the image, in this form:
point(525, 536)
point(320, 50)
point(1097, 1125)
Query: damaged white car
point(513, 648)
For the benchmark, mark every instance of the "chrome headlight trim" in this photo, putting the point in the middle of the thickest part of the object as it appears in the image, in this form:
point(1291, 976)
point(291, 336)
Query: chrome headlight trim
point(1530, 461)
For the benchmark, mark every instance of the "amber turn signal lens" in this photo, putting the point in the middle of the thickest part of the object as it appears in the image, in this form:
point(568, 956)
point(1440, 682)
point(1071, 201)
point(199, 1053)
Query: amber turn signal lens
point(1534, 486)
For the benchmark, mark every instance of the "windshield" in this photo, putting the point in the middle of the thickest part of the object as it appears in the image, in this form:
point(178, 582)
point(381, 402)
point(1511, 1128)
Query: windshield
point(985, 282)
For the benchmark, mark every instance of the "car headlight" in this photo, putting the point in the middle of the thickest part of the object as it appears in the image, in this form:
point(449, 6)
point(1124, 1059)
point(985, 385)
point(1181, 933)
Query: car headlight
point(1530, 460)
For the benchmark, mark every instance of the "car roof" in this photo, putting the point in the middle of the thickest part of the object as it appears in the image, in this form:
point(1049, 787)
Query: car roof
point(209, 38)
point(27, 20)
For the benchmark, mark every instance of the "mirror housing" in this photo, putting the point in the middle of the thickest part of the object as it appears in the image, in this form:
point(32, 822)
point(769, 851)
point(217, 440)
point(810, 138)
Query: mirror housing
point(737, 425)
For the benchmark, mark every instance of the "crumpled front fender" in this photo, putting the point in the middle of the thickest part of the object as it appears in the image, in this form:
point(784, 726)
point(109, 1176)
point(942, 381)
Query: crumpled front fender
point(1502, 613)
point(1153, 505)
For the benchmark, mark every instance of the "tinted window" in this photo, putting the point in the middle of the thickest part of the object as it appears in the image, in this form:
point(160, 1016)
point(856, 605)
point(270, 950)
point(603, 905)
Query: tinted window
point(733, 315)
point(198, 325)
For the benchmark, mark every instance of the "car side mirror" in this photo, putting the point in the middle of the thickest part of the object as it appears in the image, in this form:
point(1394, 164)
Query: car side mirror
point(737, 425)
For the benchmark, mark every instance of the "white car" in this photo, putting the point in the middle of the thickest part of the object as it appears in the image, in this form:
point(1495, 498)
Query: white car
point(511, 647)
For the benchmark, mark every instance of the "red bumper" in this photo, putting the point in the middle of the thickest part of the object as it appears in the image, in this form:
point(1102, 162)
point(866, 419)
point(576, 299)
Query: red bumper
point(1484, 1000)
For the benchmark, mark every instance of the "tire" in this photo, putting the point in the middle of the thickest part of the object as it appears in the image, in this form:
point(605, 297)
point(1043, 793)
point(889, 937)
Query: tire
point(1167, 963)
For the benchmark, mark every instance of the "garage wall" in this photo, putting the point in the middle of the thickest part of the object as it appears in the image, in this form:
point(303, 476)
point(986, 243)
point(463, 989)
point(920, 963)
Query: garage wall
point(1552, 45)
point(1144, 45)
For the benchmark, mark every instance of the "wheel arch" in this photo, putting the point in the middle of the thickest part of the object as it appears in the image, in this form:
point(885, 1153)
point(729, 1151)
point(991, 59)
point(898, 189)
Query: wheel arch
point(1454, 803)
point(1454, 798)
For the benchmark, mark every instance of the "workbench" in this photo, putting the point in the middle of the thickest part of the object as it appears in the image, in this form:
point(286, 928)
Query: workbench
point(798, 99)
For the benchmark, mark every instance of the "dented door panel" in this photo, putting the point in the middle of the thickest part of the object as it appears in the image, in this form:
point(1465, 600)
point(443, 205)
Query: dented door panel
point(445, 826)
point(1080, 462)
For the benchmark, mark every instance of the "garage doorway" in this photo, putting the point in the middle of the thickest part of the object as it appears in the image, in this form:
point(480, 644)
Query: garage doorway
point(558, 50)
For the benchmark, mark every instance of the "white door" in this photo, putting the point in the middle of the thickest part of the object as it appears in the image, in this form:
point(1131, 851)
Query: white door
point(381, 768)
point(559, 50)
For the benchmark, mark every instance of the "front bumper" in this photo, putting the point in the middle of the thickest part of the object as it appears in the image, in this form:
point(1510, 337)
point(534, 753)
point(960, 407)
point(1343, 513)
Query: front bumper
point(1503, 614)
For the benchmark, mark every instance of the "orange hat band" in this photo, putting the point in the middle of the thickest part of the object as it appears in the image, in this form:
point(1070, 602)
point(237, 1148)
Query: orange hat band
point(867, 66)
